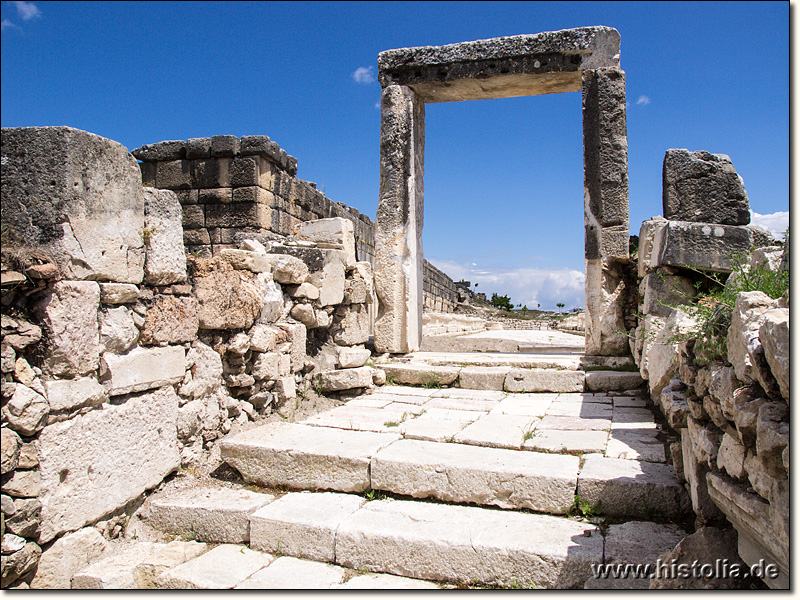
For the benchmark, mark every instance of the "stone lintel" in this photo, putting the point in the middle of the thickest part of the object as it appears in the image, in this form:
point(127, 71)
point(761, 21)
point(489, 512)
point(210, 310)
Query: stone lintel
point(522, 65)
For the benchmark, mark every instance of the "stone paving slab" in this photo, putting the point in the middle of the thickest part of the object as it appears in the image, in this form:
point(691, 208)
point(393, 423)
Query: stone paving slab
point(164, 558)
point(222, 568)
point(633, 418)
point(472, 474)
point(631, 488)
point(531, 405)
point(372, 401)
point(404, 408)
point(358, 418)
point(585, 410)
point(586, 397)
point(578, 442)
point(302, 524)
point(383, 581)
point(497, 431)
point(305, 457)
point(461, 403)
point(116, 572)
point(207, 514)
point(289, 573)
point(488, 395)
point(558, 422)
point(629, 402)
point(636, 444)
point(443, 542)
point(405, 390)
point(432, 430)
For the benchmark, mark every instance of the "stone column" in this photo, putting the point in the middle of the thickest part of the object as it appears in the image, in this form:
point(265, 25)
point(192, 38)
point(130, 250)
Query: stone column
point(605, 159)
point(398, 227)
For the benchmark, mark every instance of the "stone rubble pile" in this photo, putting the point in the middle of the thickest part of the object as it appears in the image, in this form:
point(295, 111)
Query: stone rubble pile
point(732, 416)
point(124, 359)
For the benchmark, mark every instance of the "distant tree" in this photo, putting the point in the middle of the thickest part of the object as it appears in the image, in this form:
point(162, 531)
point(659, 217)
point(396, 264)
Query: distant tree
point(525, 308)
point(560, 305)
point(501, 302)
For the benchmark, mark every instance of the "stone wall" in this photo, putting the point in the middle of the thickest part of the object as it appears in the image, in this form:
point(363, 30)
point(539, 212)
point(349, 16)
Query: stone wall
point(123, 358)
point(731, 413)
point(228, 186)
point(439, 293)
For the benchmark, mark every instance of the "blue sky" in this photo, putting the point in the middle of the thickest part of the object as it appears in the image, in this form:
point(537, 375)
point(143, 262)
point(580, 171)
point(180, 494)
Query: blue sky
point(503, 178)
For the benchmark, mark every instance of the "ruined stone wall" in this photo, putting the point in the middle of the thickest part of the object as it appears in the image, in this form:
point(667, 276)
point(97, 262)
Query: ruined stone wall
point(123, 358)
point(439, 292)
point(230, 186)
point(731, 411)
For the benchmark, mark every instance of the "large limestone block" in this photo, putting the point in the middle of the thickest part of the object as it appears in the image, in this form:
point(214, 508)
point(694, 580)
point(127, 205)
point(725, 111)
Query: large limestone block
point(631, 488)
point(334, 233)
point(605, 307)
point(289, 573)
point(226, 298)
point(207, 514)
point(663, 291)
point(700, 245)
point(477, 475)
point(647, 234)
point(420, 374)
point(608, 381)
point(774, 336)
point(118, 293)
point(398, 226)
point(703, 188)
point(346, 379)
point(302, 524)
point(351, 325)
point(115, 572)
point(465, 543)
point(165, 261)
point(483, 378)
point(305, 457)
point(695, 474)
point(144, 369)
point(224, 567)
point(745, 351)
point(68, 555)
point(98, 462)
point(118, 331)
point(544, 380)
point(286, 269)
point(69, 315)
point(68, 394)
point(76, 196)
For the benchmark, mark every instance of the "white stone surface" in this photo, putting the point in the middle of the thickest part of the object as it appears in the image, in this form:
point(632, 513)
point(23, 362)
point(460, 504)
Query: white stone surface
point(68, 555)
point(565, 441)
point(460, 403)
point(118, 293)
point(420, 374)
point(384, 581)
point(205, 366)
point(471, 474)
point(98, 462)
point(631, 488)
point(483, 378)
point(164, 557)
point(27, 411)
point(774, 336)
point(305, 457)
point(207, 514)
point(744, 346)
point(464, 543)
point(606, 381)
point(346, 379)
point(662, 354)
point(69, 313)
point(302, 524)
point(574, 423)
point(544, 380)
point(636, 444)
point(224, 567)
point(254, 262)
point(66, 394)
point(287, 269)
point(165, 256)
point(498, 431)
point(531, 405)
point(115, 572)
point(331, 233)
point(144, 369)
point(361, 418)
point(579, 408)
point(350, 358)
point(118, 331)
point(288, 573)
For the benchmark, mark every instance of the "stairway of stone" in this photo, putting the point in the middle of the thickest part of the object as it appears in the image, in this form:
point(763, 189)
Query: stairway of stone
point(427, 487)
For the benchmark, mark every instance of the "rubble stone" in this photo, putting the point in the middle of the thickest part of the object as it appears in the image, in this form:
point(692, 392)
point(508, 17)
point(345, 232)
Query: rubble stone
point(170, 320)
point(27, 411)
point(68, 555)
point(774, 336)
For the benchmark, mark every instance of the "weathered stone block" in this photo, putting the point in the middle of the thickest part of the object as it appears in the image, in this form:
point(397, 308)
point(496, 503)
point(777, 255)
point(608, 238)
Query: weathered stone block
point(165, 261)
point(143, 369)
point(164, 557)
point(69, 314)
point(774, 336)
point(78, 197)
point(198, 147)
point(647, 234)
point(420, 374)
point(68, 555)
point(346, 379)
point(68, 394)
point(351, 325)
point(211, 173)
point(244, 171)
point(225, 145)
point(334, 233)
point(544, 380)
point(118, 293)
point(238, 214)
point(27, 411)
point(349, 358)
point(170, 320)
point(208, 514)
point(118, 330)
point(226, 298)
point(663, 291)
point(745, 351)
point(700, 245)
point(224, 567)
point(167, 150)
point(129, 447)
point(703, 188)
point(9, 451)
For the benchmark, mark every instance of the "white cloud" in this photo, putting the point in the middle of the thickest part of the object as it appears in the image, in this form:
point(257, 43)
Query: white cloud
point(644, 100)
point(364, 75)
point(378, 105)
point(5, 24)
point(27, 10)
point(528, 286)
point(775, 223)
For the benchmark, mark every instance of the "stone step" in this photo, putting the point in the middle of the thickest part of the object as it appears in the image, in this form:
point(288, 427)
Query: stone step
point(458, 544)
point(490, 461)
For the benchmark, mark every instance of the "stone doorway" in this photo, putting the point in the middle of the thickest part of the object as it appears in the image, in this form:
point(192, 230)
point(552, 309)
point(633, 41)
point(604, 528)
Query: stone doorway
point(584, 59)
